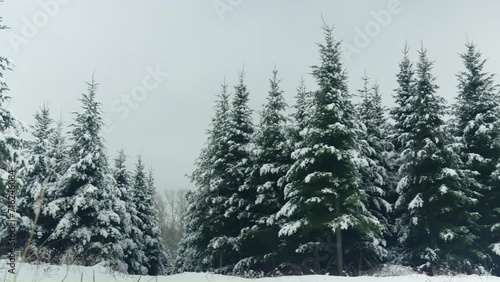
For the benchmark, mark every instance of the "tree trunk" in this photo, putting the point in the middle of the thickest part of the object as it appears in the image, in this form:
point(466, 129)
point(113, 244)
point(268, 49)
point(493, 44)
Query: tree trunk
point(338, 233)
point(274, 259)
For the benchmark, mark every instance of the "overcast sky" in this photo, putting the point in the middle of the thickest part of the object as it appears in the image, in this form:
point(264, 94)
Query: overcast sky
point(131, 45)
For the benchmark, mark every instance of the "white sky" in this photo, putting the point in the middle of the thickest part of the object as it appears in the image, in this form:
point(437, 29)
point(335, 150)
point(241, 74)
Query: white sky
point(56, 49)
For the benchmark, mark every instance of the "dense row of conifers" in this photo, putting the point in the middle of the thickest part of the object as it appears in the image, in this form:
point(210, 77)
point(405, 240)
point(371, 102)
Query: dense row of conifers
point(72, 206)
point(339, 188)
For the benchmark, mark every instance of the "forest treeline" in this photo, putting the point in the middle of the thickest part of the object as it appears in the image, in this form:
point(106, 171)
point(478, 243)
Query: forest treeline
point(339, 186)
point(342, 187)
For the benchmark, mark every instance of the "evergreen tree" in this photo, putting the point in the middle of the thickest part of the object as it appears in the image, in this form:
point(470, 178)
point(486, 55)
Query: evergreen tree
point(133, 242)
point(323, 192)
point(294, 141)
point(205, 215)
point(404, 93)
point(477, 119)
point(270, 161)
point(399, 136)
point(376, 149)
point(303, 103)
point(223, 195)
point(11, 159)
point(191, 255)
point(88, 230)
point(40, 176)
point(58, 152)
point(299, 117)
point(157, 257)
point(238, 160)
point(435, 198)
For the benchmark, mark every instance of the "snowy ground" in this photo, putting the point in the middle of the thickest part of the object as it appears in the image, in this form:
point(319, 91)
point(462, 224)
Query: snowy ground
point(46, 273)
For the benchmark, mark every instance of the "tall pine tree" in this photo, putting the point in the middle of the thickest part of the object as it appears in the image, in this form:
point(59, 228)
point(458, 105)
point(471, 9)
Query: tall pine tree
point(404, 93)
point(40, 177)
point(270, 163)
point(376, 149)
point(435, 199)
point(303, 103)
point(205, 220)
point(238, 162)
point(59, 150)
point(133, 242)
point(58, 153)
point(295, 140)
point(88, 229)
point(323, 193)
point(154, 251)
point(11, 159)
point(477, 119)
point(159, 258)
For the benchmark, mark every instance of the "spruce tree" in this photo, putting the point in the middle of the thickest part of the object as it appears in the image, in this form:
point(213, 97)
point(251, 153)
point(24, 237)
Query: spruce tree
point(294, 141)
point(141, 201)
point(399, 136)
point(40, 176)
point(376, 149)
point(303, 103)
point(88, 229)
point(231, 160)
point(270, 163)
point(223, 195)
point(133, 242)
point(238, 163)
point(59, 150)
point(435, 198)
point(404, 93)
point(57, 153)
point(477, 119)
point(205, 216)
point(11, 159)
point(157, 258)
point(191, 255)
point(324, 196)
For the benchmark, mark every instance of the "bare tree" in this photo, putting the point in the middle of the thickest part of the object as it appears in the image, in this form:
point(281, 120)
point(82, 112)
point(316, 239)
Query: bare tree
point(172, 207)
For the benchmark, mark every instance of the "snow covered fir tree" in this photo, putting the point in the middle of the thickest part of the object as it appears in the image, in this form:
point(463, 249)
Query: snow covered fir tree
point(144, 197)
point(266, 179)
point(88, 227)
point(41, 176)
point(436, 196)
point(206, 211)
point(321, 180)
point(324, 196)
point(477, 127)
point(133, 245)
point(12, 162)
point(377, 150)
